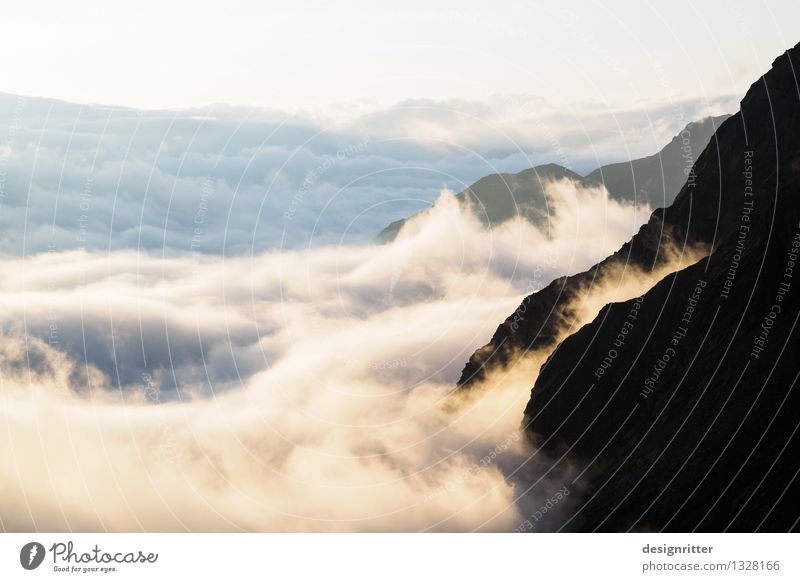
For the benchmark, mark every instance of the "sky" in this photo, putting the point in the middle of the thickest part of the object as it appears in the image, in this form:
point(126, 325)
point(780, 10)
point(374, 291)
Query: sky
point(346, 56)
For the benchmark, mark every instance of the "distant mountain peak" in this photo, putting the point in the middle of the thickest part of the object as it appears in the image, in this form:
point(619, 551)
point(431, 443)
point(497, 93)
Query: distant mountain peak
point(653, 180)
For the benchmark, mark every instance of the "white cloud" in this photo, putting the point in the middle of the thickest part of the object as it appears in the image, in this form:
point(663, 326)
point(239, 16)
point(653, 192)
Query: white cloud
point(340, 416)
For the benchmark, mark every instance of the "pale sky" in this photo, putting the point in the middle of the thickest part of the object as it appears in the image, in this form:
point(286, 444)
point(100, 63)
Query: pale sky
point(325, 55)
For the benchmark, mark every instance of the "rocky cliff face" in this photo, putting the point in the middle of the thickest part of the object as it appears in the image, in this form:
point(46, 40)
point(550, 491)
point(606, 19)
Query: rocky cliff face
point(682, 405)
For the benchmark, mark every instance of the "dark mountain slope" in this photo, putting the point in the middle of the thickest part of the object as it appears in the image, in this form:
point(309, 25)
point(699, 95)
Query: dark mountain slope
point(689, 418)
point(654, 180)
point(690, 221)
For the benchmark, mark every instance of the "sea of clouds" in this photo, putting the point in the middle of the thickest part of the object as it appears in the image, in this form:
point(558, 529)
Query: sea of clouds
point(307, 389)
point(199, 332)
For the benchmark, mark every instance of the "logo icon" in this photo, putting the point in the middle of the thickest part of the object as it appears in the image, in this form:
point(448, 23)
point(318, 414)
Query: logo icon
point(31, 555)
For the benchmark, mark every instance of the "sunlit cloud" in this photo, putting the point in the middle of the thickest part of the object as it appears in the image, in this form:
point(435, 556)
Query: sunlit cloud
point(297, 390)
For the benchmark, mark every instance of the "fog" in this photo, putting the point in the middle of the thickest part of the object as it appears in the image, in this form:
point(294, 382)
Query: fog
point(300, 390)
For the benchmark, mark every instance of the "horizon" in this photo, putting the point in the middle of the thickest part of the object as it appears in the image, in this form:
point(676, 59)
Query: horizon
point(382, 57)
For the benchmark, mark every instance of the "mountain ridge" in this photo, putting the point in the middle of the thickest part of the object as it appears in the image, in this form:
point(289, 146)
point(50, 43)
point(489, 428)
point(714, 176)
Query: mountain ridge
point(652, 180)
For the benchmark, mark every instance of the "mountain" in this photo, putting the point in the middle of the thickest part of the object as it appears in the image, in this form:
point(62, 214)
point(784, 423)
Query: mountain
point(654, 180)
point(498, 197)
point(683, 405)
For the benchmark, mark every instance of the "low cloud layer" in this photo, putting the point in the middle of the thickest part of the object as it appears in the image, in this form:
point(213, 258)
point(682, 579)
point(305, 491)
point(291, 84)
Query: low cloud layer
point(301, 390)
point(234, 181)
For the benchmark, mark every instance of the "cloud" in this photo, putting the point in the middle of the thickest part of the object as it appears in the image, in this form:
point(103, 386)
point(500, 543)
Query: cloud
point(237, 181)
point(291, 390)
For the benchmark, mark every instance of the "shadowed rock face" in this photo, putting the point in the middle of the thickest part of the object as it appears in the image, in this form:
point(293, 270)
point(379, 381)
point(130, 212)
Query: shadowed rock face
point(684, 403)
point(545, 315)
point(654, 180)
